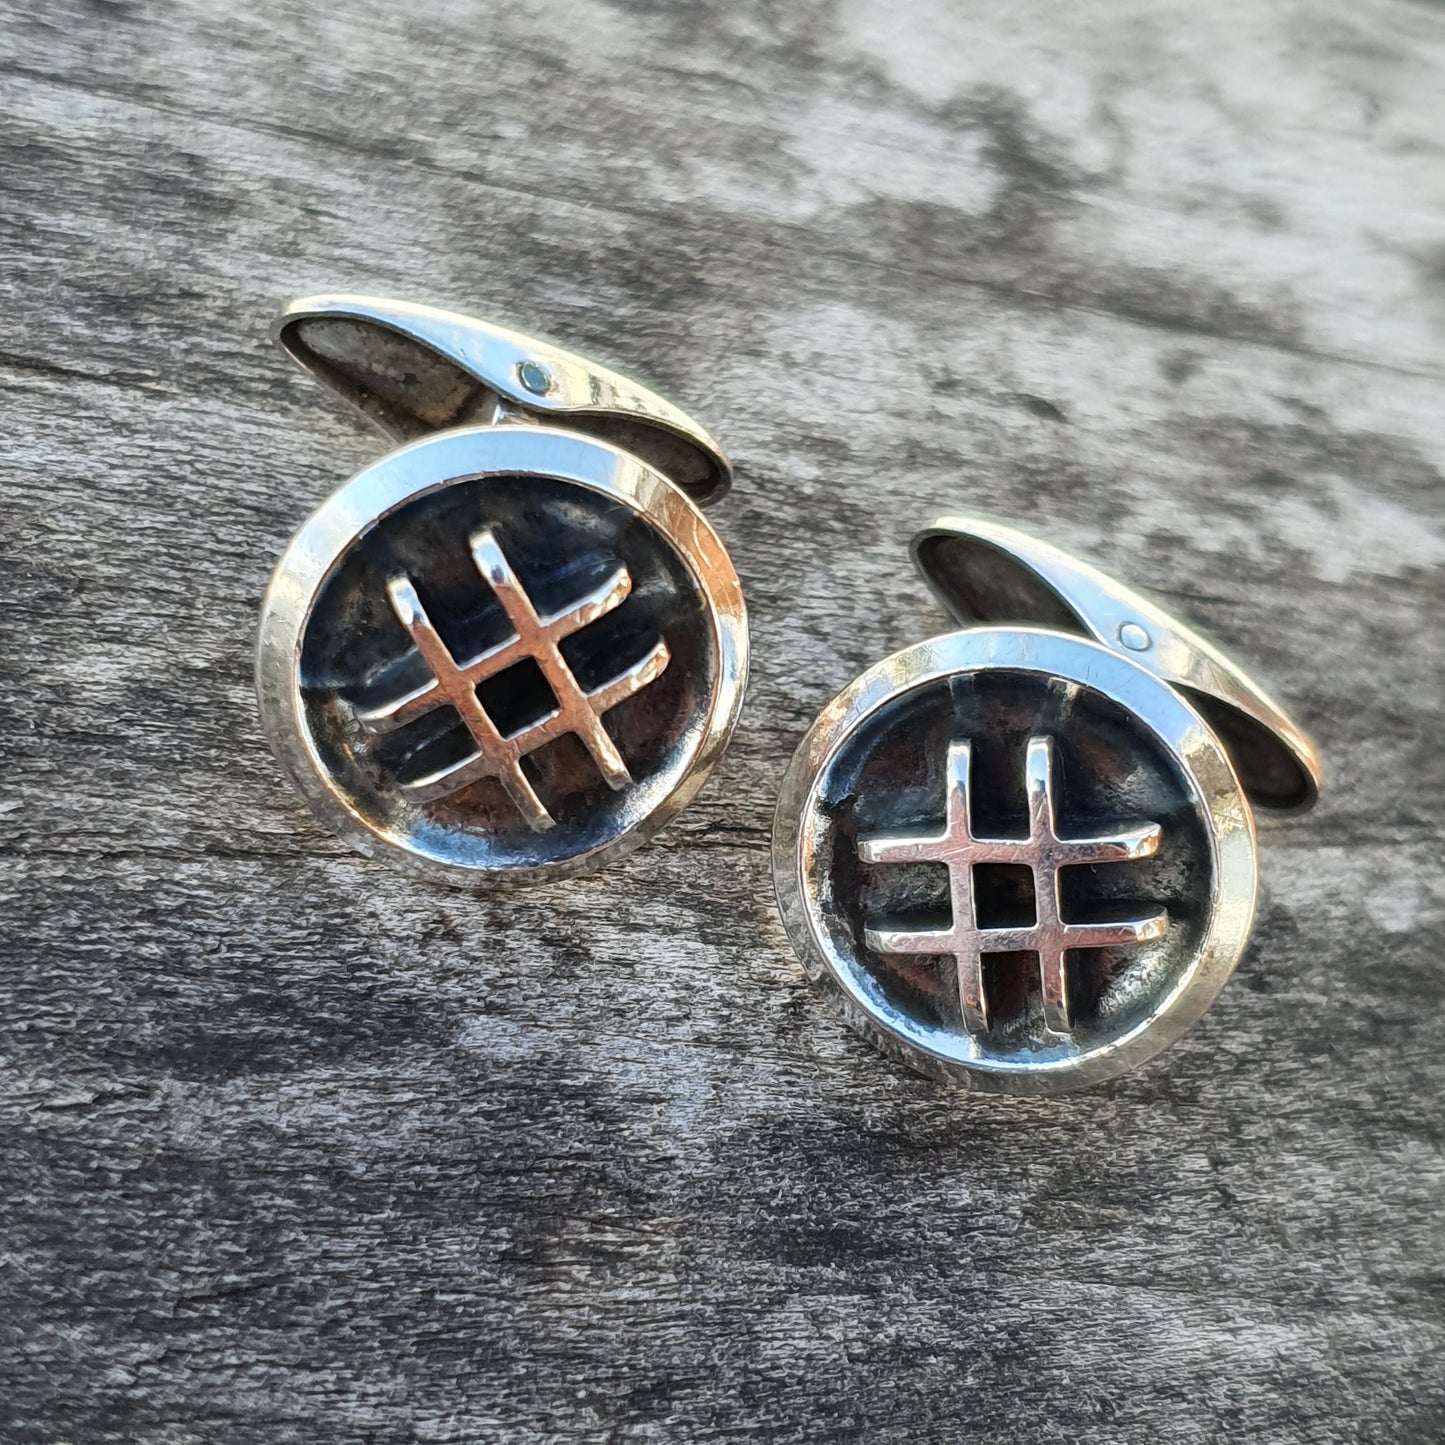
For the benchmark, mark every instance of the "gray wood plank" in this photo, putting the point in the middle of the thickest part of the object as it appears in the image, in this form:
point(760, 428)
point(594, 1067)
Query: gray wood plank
point(295, 1149)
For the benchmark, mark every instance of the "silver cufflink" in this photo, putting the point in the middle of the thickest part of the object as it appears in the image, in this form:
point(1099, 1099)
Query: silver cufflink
point(513, 647)
point(1022, 855)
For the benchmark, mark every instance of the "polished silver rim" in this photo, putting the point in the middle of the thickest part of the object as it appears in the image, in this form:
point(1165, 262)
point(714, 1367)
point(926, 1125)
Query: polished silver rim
point(440, 461)
point(1203, 766)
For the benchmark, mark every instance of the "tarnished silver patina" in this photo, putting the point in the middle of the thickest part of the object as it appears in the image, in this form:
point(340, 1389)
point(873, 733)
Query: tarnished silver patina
point(513, 648)
point(1022, 855)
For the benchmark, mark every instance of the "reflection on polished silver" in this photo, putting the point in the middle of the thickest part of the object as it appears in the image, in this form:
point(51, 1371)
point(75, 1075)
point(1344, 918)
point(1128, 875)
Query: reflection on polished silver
point(1021, 855)
point(513, 648)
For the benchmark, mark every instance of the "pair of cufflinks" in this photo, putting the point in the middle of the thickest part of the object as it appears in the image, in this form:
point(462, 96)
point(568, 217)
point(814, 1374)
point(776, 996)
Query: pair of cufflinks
point(1020, 855)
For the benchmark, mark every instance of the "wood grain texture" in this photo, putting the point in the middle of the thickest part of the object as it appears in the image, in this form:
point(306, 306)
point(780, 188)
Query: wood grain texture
point(295, 1149)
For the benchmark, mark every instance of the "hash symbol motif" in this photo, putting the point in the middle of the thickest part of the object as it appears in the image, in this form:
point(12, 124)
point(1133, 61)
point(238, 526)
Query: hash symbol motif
point(1045, 854)
point(534, 637)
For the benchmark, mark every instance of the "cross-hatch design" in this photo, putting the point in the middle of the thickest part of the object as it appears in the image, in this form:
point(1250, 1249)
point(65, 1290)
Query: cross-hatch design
point(1045, 854)
point(537, 638)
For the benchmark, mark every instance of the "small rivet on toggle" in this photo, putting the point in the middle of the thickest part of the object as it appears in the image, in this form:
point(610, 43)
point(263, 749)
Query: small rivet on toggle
point(1134, 637)
point(535, 377)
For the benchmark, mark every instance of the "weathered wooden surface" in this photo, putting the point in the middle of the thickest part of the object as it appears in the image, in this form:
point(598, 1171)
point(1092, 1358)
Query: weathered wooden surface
point(297, 1150)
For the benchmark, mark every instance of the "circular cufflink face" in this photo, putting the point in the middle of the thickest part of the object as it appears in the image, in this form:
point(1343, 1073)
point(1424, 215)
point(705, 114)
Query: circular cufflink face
point(502, 651)
point(1015, 858)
